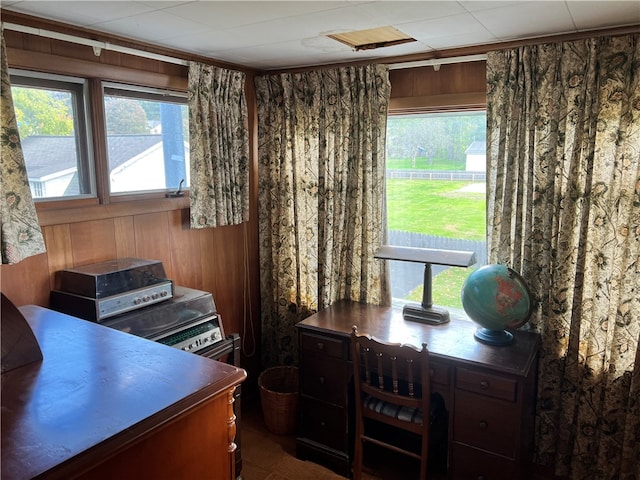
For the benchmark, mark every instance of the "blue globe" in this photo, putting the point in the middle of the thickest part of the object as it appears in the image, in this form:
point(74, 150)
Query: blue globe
point(498, 299)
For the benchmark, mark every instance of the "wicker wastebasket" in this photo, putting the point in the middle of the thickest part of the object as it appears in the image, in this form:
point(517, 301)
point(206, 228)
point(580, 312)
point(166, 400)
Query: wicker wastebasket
point(279, 397)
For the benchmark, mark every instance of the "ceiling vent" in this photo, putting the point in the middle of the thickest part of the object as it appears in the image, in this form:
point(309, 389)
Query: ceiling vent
point(372, 38)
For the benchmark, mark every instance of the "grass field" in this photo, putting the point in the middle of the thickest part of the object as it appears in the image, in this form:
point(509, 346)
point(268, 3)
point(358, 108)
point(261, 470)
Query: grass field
point(442, 208)
point(436, 207)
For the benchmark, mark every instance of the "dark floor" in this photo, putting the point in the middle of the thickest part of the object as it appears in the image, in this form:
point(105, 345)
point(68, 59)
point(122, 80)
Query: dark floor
point(266, 456)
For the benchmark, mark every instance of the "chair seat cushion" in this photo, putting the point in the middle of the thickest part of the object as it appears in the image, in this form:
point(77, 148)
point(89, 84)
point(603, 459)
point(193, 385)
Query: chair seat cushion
point(400, 412)
point(407, 414)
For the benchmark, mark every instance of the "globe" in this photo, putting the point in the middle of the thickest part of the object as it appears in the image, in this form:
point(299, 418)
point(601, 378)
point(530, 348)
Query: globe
point(498, 299)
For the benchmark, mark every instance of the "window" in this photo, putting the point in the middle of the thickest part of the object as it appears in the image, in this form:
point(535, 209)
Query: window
point(147, 139)
point(51, 115)
point(435, 197)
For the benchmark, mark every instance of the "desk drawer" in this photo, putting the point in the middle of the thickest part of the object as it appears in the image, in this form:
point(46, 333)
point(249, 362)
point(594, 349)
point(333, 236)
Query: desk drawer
point(325, 424)
point(486, 384)
point(323, 345)
point(486, 423)
point(325, 379)
point(440, 373)
point(472, 464)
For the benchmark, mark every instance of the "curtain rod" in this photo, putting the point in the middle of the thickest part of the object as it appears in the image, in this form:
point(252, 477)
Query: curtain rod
point(96, 45)
point(436, 62)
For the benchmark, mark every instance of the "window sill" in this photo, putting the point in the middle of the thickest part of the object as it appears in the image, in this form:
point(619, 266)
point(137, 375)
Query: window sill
point(50, 215)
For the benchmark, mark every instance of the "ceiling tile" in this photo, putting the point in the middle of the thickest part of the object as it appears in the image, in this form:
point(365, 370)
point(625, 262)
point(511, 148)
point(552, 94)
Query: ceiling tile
point(152, 26)
point(527, 20)
point(589, 15)
point(81, 13)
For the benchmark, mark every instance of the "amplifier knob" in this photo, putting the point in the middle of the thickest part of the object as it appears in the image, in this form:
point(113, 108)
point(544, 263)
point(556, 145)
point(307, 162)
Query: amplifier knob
point(137, 301)
point(146, 298)
point(164, 293)
point(155, 296)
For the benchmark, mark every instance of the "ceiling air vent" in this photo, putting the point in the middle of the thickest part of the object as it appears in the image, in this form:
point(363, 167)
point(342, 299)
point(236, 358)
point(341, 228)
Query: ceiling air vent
point(372, 38)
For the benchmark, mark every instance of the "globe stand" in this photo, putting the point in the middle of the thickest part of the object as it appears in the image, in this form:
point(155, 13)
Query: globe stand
point(493, 337)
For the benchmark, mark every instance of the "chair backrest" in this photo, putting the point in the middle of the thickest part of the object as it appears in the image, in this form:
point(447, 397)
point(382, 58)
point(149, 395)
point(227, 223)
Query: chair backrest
point(392, 380)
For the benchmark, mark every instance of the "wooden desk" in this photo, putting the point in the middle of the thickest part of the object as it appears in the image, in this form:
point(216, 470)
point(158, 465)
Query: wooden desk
point(489, 391)
point(104, 404)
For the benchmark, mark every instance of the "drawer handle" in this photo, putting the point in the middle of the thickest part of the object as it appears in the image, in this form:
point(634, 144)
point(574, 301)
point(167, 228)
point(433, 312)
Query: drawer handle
point(481, 477)
point(321, 380)
point(322, 424)
point(320, 346)
point(483, 425)
point(484, 385)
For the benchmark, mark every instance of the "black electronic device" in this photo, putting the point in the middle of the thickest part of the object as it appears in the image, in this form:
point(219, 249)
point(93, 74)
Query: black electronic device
point(103, 290)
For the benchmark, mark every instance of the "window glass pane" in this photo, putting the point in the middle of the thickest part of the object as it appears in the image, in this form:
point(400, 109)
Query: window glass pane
point(51, 122)
point(436, 198)
point(147, 141)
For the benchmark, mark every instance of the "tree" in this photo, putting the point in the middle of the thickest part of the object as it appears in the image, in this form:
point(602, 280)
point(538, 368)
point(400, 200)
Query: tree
point(125, 116)
point(42, 112)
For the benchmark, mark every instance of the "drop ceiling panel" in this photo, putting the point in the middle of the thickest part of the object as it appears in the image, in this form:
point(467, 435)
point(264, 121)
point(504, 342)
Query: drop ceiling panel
point(600, 14)
point(84, 14)
point(527, 20)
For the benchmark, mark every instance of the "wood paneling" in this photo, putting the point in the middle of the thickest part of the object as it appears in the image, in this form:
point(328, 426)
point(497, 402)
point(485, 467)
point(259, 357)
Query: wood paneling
point(452, 86)
point(57, 239)
point(124, 238)
point(152, 238)
point(92, 242)
point(186, 257)
point(27, 281)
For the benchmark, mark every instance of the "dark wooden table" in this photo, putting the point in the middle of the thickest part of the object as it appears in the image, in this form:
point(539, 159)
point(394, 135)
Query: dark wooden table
point(489, 391)
point(106, 404)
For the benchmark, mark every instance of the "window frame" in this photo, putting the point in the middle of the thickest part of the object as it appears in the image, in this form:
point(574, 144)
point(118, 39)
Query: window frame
point(96, 137)
point(434, 105)
point(136, 92)
point(79, 87)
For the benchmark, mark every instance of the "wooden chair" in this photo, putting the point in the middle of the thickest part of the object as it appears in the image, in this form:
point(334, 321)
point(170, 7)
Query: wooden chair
point(392, 386)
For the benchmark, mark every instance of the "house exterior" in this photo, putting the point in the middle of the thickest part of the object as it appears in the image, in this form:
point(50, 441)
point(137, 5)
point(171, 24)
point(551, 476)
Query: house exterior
point(476, 156)
point(136, 163)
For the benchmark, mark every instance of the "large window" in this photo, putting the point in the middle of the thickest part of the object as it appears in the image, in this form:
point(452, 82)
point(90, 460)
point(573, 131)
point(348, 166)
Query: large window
point(147, 139)
point(52, 121)
point(436, 197)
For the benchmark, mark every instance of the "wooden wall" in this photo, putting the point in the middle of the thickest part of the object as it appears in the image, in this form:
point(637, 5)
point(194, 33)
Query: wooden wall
point(221, 260)
point(451, 87)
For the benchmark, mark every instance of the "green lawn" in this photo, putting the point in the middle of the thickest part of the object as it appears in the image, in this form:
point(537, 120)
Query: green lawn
point(442, 209)
point(446, 287)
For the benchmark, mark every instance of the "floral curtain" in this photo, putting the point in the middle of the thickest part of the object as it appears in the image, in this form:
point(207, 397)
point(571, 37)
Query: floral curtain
point(321, 196)
point(219, 146)
point(564, 209)
point(21, 234)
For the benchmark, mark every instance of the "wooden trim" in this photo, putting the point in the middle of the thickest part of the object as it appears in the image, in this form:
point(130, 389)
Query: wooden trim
point(113, 210)
point(98, 136)
point(44, 205)
point(444, 102)
point(44, 62)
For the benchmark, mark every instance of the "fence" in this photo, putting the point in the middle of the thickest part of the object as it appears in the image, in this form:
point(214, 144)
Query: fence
point(437, 175)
